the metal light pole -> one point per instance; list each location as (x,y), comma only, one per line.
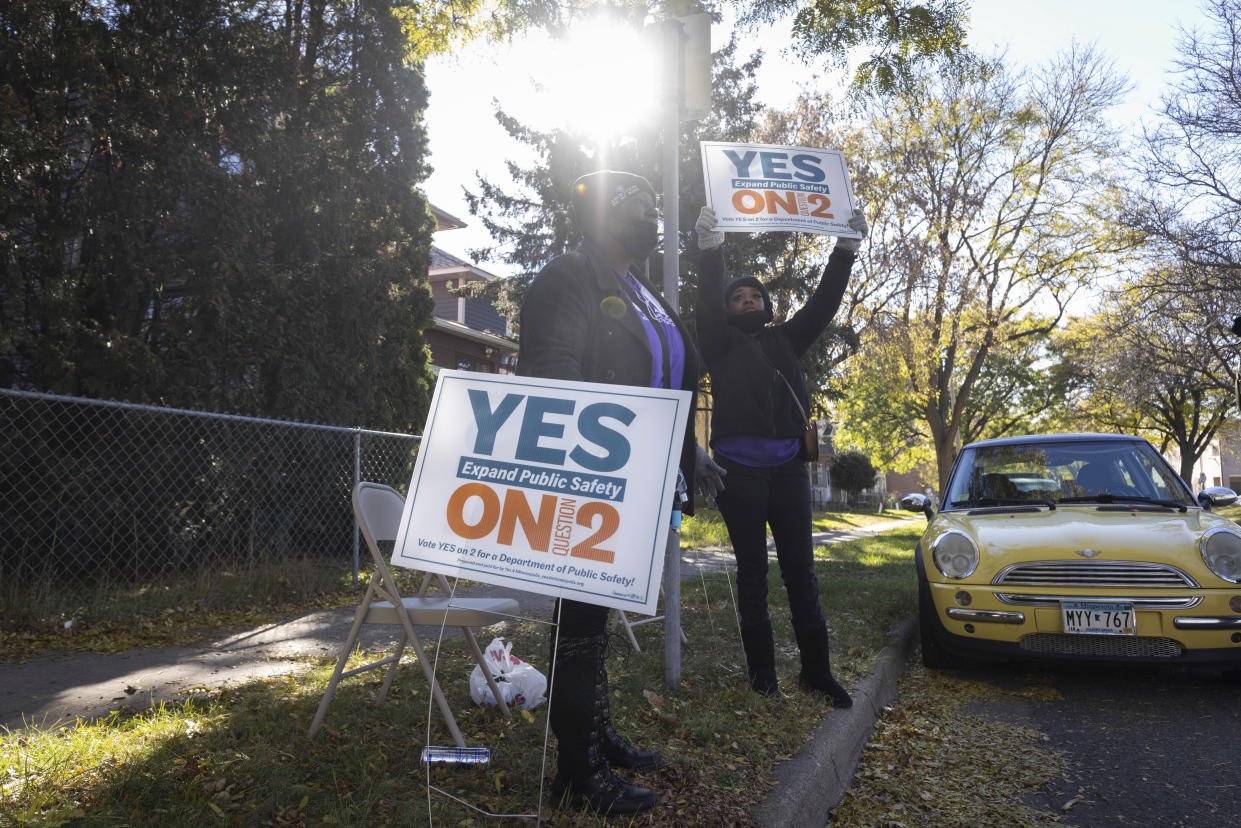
(686,47)
(672,268)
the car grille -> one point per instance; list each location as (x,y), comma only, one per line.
(1122,574)
(1116,646)
(1144,602)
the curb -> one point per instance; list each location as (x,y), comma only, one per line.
(814,781)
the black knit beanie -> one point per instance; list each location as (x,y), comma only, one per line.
(754,283)
(596,195)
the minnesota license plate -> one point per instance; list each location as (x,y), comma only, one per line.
(1098,618)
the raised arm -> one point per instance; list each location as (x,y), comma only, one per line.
(711,314)
(808,324)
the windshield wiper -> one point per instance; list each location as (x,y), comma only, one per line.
(1104,497)
(1005,501)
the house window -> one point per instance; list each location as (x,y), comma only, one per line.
(466,362)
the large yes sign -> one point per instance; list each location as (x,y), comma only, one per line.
(556,487)
(539,421)
(766,187)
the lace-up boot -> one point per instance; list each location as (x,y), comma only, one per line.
(619,753)
(584,779)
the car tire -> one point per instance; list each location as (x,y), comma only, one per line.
(934,656)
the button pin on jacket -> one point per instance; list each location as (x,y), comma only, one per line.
(613,307)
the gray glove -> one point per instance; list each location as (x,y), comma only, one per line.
(708,475)
(708,237)
(856,222)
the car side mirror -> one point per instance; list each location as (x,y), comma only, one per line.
(1216,496)
(916,502)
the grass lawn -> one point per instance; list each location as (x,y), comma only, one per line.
(241,756)
(706,528)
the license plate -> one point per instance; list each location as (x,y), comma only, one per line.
(1098,618)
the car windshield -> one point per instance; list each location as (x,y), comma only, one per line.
(1076,471)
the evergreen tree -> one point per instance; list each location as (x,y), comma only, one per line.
(213,205)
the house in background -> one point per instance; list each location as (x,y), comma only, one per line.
(1219,465)
(903,483)
(468,333)
(822,496)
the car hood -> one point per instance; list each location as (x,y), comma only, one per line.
(1007,537)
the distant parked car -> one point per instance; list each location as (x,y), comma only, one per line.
(1077,546)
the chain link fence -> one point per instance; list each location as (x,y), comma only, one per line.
(96,492)
(837,501)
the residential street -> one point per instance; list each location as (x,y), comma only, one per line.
(1144,746)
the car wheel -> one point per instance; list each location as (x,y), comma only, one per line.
(934,655)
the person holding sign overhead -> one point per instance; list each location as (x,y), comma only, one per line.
(588,316)
(759,426)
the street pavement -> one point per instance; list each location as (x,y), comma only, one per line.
(1143,744)
(57,688)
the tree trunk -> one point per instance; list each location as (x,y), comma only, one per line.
(944,437)
(1188,458)
(945,456)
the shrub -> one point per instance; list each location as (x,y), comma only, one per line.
(852,472)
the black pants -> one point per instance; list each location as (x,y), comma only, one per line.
(578,619)
(577,677)
(754,498)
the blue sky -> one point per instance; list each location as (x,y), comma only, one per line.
(1140,36)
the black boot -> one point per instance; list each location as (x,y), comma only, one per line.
(584,778)
(618,752)
(816,668)
(760,657)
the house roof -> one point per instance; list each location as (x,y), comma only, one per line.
(464,331)
(442,259)
(445,220)
(444,263)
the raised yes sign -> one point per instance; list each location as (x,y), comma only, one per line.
(755,187)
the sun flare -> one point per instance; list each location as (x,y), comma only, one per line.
(602,80)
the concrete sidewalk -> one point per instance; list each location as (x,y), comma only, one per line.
(59,687)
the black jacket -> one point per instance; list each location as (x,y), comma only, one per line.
(748,397)
(577,323)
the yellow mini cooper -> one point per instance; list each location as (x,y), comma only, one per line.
(1077,546)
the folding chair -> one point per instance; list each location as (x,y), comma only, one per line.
(629,625)
(378,511)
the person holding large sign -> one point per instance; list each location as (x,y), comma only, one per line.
(587,316)
(758,428)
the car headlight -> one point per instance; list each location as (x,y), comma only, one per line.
(955,554)
(1221,549)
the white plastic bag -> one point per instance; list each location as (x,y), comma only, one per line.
(521,685)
